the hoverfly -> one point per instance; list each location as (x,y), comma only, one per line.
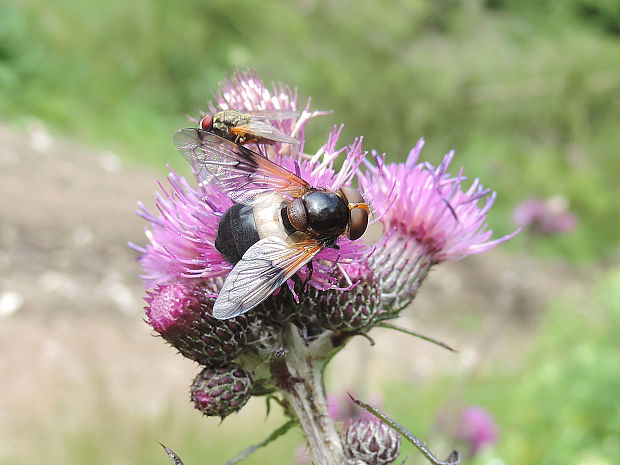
(249,127)
(278,223)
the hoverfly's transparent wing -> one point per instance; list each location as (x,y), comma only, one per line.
(263,269)
(257,129)
(236,170)
(274,115)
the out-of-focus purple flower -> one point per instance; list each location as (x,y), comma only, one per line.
(545,217)
(302,455)
(428,217)
(477,428)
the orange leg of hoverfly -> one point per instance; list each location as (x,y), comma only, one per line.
(362,205)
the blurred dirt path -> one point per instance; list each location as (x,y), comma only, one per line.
(67,213)
(71,329)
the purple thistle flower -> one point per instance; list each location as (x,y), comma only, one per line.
(427,218)
(246,91)
(431,207)
(285,343)
(182,238)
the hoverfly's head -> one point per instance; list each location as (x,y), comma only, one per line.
(207,122)
(359,210)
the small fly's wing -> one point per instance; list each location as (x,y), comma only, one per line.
(263,269)
(237,171)
(261,130)
(274,115)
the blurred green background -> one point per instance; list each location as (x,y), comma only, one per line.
(527,92)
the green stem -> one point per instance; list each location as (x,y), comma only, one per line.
(300,376)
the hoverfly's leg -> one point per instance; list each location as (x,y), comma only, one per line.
(363,205)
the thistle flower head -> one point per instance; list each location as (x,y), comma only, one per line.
(245,91)
(430,206)
(354,304)
(372,442)
(181,313)
(182,236)
(221,391)
(428,217)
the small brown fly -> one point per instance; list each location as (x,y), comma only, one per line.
(249,127)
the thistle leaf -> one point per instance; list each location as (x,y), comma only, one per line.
(415,334)
(176,460)
(272,437)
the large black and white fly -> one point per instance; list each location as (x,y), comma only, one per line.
(278,223)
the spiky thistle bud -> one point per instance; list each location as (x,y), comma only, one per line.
(181,314)
(218,392)
(372,442)
(353,309)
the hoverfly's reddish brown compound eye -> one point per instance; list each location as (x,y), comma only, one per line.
(206,122)
(359,212)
